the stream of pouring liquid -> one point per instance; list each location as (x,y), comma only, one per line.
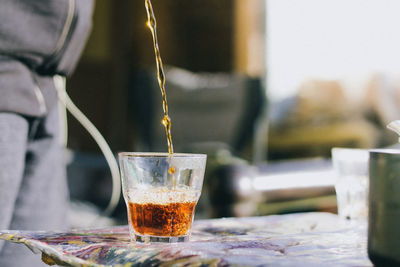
(166,121)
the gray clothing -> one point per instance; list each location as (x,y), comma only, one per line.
(33,188)
(38,39)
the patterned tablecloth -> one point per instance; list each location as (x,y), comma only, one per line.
(303,239)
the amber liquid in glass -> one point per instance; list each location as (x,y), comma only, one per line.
(170,219)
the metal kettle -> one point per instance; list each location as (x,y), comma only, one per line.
(384,205)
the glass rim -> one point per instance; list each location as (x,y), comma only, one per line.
(160,155)
(390,151)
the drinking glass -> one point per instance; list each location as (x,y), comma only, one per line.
(161,191)
(351,185)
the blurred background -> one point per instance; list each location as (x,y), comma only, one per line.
(265,87)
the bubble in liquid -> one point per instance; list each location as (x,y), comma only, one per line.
(171,170)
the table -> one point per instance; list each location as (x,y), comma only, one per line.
(301,239)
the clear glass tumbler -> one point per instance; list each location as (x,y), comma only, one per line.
(161,192)
(351,185)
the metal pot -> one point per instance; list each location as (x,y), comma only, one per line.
(384,207)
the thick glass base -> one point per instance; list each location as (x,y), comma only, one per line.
(159,239)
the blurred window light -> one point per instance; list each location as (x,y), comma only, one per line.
(291,180)
(330,39)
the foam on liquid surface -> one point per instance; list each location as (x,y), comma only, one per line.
(163,195)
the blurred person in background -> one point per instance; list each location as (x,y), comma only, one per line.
(38,39)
